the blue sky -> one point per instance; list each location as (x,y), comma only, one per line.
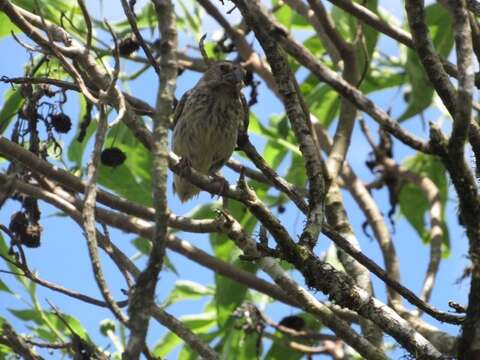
(63,256)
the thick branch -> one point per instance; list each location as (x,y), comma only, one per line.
(274,31)
(299,118)
(143,296)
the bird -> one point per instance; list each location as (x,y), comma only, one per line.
(207,122)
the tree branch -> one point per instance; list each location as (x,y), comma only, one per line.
(430,59)
(88,217)
(307,301)
(10,338)
(142,298)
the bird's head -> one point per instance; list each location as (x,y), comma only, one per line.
(225,73)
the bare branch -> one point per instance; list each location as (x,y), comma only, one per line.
(63,290)
(299,118)
(251,59)
(436,232)
(272,177)
(88,22)
(462,115)
(320,27)
(307,301)
(428,56)
(143,296)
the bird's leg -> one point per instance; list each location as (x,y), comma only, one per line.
(184,166)
(222,184)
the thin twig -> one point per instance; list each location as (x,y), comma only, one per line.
(88,22)
(88,215)
(133,24)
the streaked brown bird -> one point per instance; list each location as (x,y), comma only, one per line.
(207,122)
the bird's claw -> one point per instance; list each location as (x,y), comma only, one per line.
(223,184)
(184,165)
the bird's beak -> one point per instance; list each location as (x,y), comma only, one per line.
(237,76)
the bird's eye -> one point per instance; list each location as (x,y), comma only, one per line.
(224,68)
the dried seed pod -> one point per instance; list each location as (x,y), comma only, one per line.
(128,45)
(293,322)
(18,223)
(27,234)
(61,122)
(31,238)
(112,157)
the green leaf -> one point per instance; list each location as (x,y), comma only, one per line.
(204,211)
(4,249)
(76,326)
(5,351)
(438,20)
(230,294)
(315,46)
(238,345)
(187,290)
(347,25)
(132,179)
(344,23)
(274,153)
(198,323)
(142,244)
(380,79)
(421,96)
(296,173)
(321,99)
(279,350)
(52,10)
(192,16)
(166,345)
(45,333)
(13,100)
(28,315)
(187,354)
(370,34)
(270,133)
(145,17)
(6,26)
(291,19)
(41,318)
(414,204)
(4,287)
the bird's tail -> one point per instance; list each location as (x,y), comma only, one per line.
(184,189)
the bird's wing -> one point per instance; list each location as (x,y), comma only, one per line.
(243,126)
(179,108)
